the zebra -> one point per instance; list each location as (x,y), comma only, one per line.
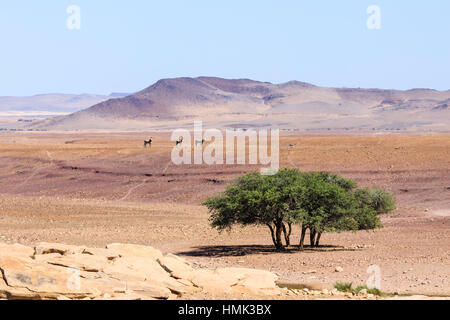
(149,142)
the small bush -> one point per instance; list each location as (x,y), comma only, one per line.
(374,291)
(343,286)
(348,287)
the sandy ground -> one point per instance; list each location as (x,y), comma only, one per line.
(97,188)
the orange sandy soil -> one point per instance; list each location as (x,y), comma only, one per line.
(97,188)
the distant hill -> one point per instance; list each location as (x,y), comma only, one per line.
(119,94)
(47,104)
(170,103)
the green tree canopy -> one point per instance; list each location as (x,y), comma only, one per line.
(328,205)
(270,200)
(318,201)
(378,199)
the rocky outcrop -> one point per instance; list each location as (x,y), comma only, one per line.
(119,271)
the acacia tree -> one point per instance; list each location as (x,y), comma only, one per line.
(332,203)
(270,200)
(319,201)
(326,201)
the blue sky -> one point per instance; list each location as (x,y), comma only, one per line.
(125,46)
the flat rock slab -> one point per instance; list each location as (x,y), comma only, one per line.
(26,278)
(119,271)
(134,250)
(46,248)
(16,250)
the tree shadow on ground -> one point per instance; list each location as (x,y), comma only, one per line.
(244,250)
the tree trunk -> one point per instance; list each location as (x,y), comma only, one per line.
(273,234)
(319,234)
(302,238)
(278,235)
(312,237)
(287,233)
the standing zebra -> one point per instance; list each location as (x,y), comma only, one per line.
(149,142)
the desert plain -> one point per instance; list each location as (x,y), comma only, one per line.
(95,188)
